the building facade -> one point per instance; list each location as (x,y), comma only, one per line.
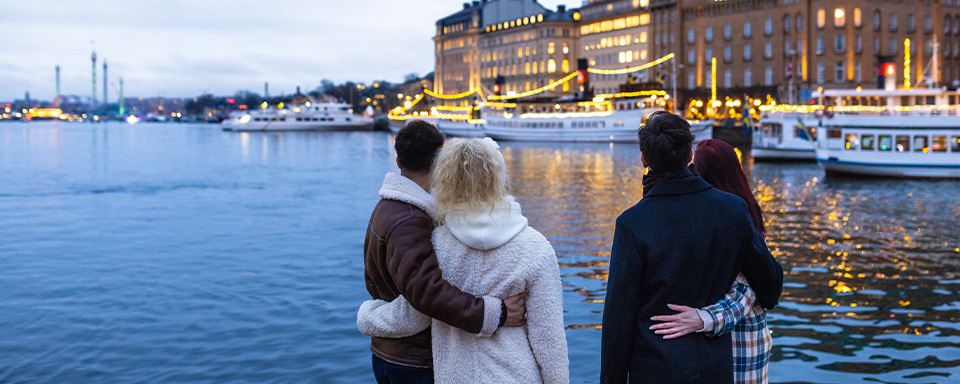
(615,34)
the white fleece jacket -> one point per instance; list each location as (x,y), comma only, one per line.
(491,253)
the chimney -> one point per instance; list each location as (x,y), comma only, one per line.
(561,8)
(466,5)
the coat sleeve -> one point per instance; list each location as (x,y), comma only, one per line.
(762,271)
(621,306)
(390,319)
(545,320)
(727,312)
(414,266)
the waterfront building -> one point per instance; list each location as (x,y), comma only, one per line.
(615,34)
(456,64)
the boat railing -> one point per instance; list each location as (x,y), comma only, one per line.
(919,110)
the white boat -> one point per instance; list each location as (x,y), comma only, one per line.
(785,135)
(592,121)
(900,133)
(309,116)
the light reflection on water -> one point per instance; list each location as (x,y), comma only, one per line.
(179,253)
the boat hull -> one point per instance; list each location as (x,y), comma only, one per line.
(789,154)
(920,171)
(563,135)
(460,129)
(299,126)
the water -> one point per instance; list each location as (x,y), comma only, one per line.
(180,253)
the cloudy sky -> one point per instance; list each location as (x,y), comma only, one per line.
(184,47)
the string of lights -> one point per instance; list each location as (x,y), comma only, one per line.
(449,97)
(631,69)
(532,92)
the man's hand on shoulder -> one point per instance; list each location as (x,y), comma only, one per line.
(516,310)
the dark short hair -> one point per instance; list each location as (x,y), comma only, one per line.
(666,142)
(417,145)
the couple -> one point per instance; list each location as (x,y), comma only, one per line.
(436,312)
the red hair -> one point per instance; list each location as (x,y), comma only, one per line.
(718,164)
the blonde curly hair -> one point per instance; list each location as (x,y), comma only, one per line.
(469,172)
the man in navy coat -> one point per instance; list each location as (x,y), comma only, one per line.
(683,243)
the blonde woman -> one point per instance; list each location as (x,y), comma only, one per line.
(485,247)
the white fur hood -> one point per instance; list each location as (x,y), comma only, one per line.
(489,228)
(400,188)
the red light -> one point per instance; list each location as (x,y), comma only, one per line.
(8,105)
(496,88)
(888,69)
(231,100)
(582,76)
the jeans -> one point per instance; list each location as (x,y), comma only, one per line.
(389,373)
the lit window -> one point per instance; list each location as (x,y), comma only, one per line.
(551,66)
(821,18)
(565,65)
(566,49)
(526,68)
(885,143)
(851,141)
(920,144)
(903,143)
(550,48)
(623,57)
(629,57)
(643,54)
(939,144)
(839,17)
(857,22)
(643,37)
(519,52)
(955,144)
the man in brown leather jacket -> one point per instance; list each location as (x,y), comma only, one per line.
(399,260)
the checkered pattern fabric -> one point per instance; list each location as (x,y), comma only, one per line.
(737,313)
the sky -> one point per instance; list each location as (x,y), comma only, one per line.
(182,48)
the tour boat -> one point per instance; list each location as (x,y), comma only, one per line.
(912,133)
(787,133)
(453,125)
(586,121)
(309,116)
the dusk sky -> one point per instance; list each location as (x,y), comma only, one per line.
(179,48)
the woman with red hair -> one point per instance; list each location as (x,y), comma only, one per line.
(717,163)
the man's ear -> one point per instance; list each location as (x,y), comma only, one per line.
(690,158)
(643,160)
(398,162)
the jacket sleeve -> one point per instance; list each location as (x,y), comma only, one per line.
(545,320)
(413,264)
(727,312)
(621,307)
(763,272)
(390,319)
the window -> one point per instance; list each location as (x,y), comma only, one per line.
(728,31)
(691,80)
(708,35)
(526,68)
(787,51)
(708,54)
(786,24)
(893,21)
(886,143)
(551,66)
(841,72)
(565,65)
(747,81)
(911,23)
(839,18)
(768,76)
(820,73)
(955,144)
(857,18)
(851,141)
(857,44)
(747,54)
(927,24)
(893,46)
(920,144)
(551,48)
(840,43)
(690,36)
(727,79)
(799,22)
(643,37)
(821,18)
(946,25)
(727,54)
(819,45)
(876,45)
(938,144)
(691,57)
(672,37)
(867,142)
(903,143)
(768,50)
(876,20)
(857,72)
(768,27)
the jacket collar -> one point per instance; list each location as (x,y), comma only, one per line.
(489,227)
(400,188)
(679,183)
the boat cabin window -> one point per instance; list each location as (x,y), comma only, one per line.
(931,100)
(905,100)
(938,144)
(903,143)
(953,99)
(835,134)
(886,143)
(955,144)
(867,142)
(920,144)
(852,141)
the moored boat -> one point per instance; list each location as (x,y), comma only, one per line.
(785,134)
(309,116)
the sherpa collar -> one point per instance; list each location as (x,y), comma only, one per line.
(400,188)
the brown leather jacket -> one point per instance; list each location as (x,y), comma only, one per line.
(399,260)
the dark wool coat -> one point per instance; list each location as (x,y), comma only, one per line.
(684,243)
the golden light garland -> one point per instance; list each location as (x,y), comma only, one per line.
(632,69)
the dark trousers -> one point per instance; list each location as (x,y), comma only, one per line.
(390,373)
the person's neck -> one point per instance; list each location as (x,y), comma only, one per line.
(422,179)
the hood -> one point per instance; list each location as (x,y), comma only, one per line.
(400,188)
(488,228)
